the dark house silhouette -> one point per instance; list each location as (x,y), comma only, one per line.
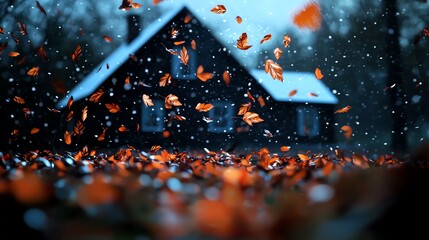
(144,60)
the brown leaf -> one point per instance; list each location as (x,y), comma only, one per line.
(78,128)
(1,30)
(303,157)
(107,39)
(102,136)
(347,130)
(313,94)
(42,53)
(286,40)
(113,108)
(266,38)
(34,71)
(165,80)
(16,40)
(174,33)
(318,73)
(226,77)
(18,100)
(84,113)
(261,101)
(292,93)
(172,100)
(238,19)
(3,47)
(179,43)
(67,138)
(344,109)
(249,95)
(203,76)
(184,57)
(251,117)
(22,28)
(122,128)
(245,107)
(178,117)
(187,19)
(242,42)
(136,5)
(204,107)
(155,148)
(219,9)
(426,32)
(360,161)
(77,53)
(70,102)
(274,69)
(278,53)
(193,44)
(284,148)
(69,116)
(309,17)
(95,97)
(39,6)
(14,54)
(147,101)
(34,131)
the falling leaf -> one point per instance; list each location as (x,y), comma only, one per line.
(426,32)
(311,94)
(2,47)
(95,97)
(16,40)
(102,136)
(360,161)
(165,80)
(67,138)
(1,30)
(249,95)
(274,69)
(238,19)
(278,53)
(78,128)
(292,93)
(127,80)
(226,77)
(303,157)
(266,38)
(147,101)
(14,54)
(284,148)
(207,120)
(34,131)
(34,71)
(18,100)
(70,102)
(22,28)
(245,107)
(347,130)
(113,108)
(42,53)
(107,39)
(261,101)
(267,133)
(174,33)
(203,76)
(187,19)
(122,128)
(204,107)
(344,109)
(309,17)
(219,9)
(155,148)
(184,57)
(69,116)
(318,73)
(77,53)
(128,4)
(84,113)
(172,100)
(136,5)
(171,51)
(40,7)
(193,44)
(178,117)
(242,42)
(286,41)
(179,43)
(251,117)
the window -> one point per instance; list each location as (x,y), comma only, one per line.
(182,71)
(153,117)
(221,114)
(308,121)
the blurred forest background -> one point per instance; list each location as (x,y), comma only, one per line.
(350,48)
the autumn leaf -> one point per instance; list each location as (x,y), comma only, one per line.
(193,44)
(174,33)
(178,117)
(42,53)
(113,108)
(251,117)
(179,43)
(165,80)
(22,28)
(172,100)
(69,116)
(14,54)
(107,39)
(278,53)
(34,131)
(102,136)
(79,128)
(426,32)
(34,71)
(347,130)
(184,57)
(95,97)
(265,38)
(77,53)
(3,47)
(303,157)
(219,9)
(318,73)
(284,148)
(187,19)
(344,109)
(147,101)
(203,76)
(1,30)
(309,17)
(286,41)
(261,101)
(128,4)
(18,100)
(311,94)
(274,69)
(238,19)
(292,93)
(84,113)
(122,128)
(67,138)
(40,7)
(360,161)
(245,107)
(249,95)
(226,77)
(136,5)
(242,42)
(70,102)
(155,148)
(204,107)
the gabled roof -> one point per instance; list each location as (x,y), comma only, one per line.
(304,82)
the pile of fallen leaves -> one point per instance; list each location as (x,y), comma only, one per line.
(161,194)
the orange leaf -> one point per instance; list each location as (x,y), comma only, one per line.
(286,40)
(360,161)
(203,76)
(78,128)
(184,57)
(1,30)
(179,43)
(155,2)
(344,109)
(34,130)
(67,138)
(147,101)
(250,118)
(70,102)
(69,116)
(178,117)
(249,95)
(77,53)
(42,53)
(245,107)
(313,94)
(174,33)
(193,44)
(219,9)
(238,19)
(14,54)
(34,71)
(204,107)
(293,92)
(318,73)
(122,128)
(284,148)
(18,100)
(309,17)
(274,69)
(107,39)
(136,5)
(226,77)
(187,19)
(84,113)
(165,80)
(303,157)
(172,100)
(278,53)
(155,148)
(242,42)
(347,130)
(266,38)
(102,136)
(113,108)
(95,97)
(261,101)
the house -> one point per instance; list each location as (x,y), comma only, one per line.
(135,68)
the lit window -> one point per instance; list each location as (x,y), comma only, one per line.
(308,121)
(222,115)
(182,71)
(153,117)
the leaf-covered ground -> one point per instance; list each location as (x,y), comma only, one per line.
(133,194)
